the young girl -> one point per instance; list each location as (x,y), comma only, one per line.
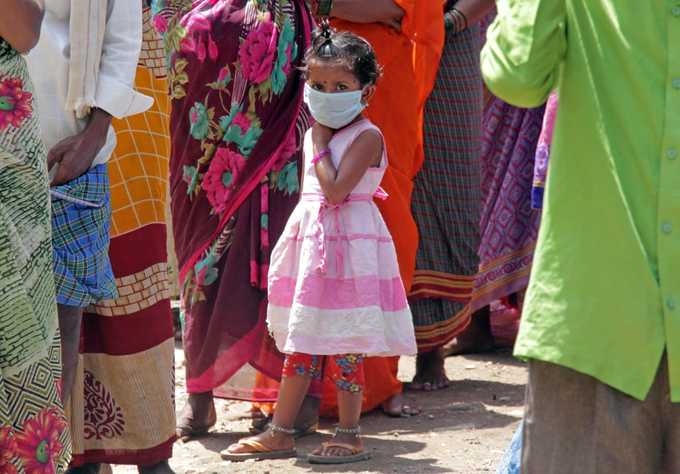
(335,294)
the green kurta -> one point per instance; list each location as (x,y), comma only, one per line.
(604,297)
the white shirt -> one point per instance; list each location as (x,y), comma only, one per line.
(48,65)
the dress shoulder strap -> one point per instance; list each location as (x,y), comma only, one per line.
(356,129)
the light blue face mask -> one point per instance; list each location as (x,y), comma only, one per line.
(334,110)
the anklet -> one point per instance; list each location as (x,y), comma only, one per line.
(277,429)
(351,431)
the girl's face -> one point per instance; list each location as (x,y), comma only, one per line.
(331,78)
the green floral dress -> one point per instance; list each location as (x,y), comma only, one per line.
(33,430)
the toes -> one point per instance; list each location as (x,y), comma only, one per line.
(427,386)
(236,448)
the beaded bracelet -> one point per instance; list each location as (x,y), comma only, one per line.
(321,155)
(455,20)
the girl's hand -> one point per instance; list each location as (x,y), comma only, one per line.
(321,137)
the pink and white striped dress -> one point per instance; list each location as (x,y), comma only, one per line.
(334,283)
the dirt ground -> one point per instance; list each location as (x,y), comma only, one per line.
(464,429)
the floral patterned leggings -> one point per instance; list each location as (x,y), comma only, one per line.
(347,371)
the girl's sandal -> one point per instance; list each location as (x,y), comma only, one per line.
(356,454)
(260,452)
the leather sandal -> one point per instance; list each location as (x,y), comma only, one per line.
(259,452)
(356,454)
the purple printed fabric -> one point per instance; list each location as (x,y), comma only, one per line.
(543,152)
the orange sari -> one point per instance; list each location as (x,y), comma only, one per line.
(410,60)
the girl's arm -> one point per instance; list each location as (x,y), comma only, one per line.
(366,151)
(20,24)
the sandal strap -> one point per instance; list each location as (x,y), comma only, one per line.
(256,445)
(333,444)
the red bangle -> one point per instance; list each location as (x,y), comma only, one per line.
(321,155)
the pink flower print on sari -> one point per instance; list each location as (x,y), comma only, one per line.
(286,152)
(224,75)
(242,122)
(258,52)
(15,103)
(223,172)
(38,444)
(8,449)
(160,24)
(212,49)
(198,39)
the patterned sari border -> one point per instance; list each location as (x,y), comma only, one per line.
(142,457)
(432,284)
(524,251)
(434,336)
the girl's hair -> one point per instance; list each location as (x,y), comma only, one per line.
(347,49)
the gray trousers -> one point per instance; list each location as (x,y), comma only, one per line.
(575,424)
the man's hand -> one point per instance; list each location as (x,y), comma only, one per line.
(74,155)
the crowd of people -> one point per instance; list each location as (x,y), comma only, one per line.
(348,182)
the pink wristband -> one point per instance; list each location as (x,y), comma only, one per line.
(321,155)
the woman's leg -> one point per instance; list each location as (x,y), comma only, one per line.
(197,416)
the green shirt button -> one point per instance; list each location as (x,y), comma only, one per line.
(670,304)
(672,153)
(666,227)
(675,11)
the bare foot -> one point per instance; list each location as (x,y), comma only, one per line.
(161,468)
(476,339)
(197,416)
(430,372)
(395,407)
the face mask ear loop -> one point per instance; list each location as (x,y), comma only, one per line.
(364,100)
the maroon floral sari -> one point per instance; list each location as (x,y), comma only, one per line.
(236,126)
